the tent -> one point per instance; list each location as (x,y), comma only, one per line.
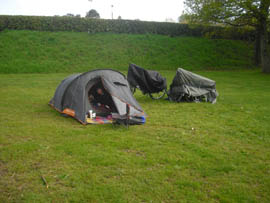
(116,104)
(188,86)
(149,81)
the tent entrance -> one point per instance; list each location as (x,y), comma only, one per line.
(99,100)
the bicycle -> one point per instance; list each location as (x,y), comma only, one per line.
(148,81)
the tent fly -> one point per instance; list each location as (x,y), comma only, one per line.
(98,97)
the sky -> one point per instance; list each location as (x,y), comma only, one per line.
(149,10)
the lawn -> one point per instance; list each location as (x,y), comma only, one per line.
(186,152)
(24,51)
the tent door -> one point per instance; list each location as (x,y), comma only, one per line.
(98,99)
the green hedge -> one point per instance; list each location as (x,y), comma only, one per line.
(75,24)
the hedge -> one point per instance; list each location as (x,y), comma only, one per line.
(57,23)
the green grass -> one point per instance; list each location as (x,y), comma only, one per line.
(49,52)
(185,152)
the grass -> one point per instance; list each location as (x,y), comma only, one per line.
(186,152)
(49,52)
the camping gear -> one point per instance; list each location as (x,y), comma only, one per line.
(72,98)
(148,81)
(191,87)
(100,120)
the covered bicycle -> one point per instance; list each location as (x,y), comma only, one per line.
(191,87)
(148,81)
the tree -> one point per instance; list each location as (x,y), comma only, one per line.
(254,13)
(72,15)
(92,14)
(169,20)
(183,18)
(69,15)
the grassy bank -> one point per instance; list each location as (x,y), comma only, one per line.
(188,152)
(52,52)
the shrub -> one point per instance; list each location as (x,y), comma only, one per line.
(57,23)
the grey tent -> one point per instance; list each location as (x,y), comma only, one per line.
(72,98)
(188,86)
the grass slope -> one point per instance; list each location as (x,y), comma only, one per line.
(49,52)
(185,152)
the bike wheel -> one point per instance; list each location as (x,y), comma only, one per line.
(158,95)
(132,89)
